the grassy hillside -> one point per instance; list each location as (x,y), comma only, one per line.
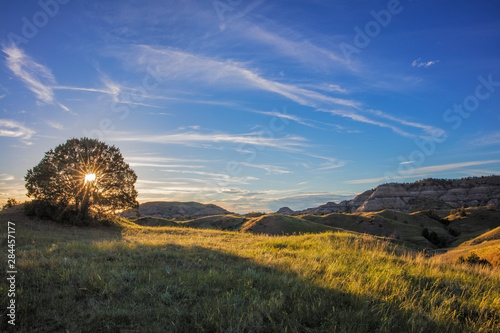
(282,225)
(219,222)
(407,227)
(149,221)
(131,278)
(486,246)
(477,221)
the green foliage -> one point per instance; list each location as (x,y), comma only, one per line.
(431,214)
(434,238)
(60,180)
(462,212)
(255,214)
(11,202)
(66,215)
(473,259)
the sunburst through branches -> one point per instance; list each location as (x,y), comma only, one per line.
(84,173)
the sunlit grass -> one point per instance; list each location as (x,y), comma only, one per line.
(186,280)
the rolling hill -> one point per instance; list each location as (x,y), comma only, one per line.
(283,225)
(173,209)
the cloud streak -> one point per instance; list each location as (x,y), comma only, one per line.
(421,172)
(13,129)
(418,63)
(303,51)
(270,169)
(171,64)
(193,138)
(35,76)
(363,119)
(490,139)
(428,130)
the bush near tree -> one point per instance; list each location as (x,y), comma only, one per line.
(11,202)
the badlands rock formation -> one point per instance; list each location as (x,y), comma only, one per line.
(424,194)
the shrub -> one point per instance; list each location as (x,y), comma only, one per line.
(11,202)
(396,235)
(425,233)
(254,214)
(473,259)
(58,213)
(491,207)
(434,238)
(431,214)
(453,232)
(460,211)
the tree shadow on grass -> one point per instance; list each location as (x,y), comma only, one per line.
(34,232)
(132,287)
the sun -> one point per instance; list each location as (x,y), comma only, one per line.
(90,177)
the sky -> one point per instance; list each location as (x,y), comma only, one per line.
(254,104)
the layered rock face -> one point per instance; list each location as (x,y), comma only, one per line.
(425,194)
(166,209)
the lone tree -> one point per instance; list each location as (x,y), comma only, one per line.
(83,173)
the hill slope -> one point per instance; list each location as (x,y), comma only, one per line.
(282,225)
(172,209)
(146,279)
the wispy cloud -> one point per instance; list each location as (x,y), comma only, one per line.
(161,159)
(56,125)
(421,172)
(331,163)
(193,138)
(490,139)
(222,179)
(301,50)
(428,129)
(5,177)
(173,64)
(451,166)
(363,119)
(110,88)
(426,64)
(285,116)
(270,169)
(117,92)
(13,129)
(65,108)
(160,165)
(37,78)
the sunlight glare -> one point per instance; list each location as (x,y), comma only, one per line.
(90,177)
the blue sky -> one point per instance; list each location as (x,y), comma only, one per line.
(254,104)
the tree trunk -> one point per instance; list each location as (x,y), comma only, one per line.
(84,205)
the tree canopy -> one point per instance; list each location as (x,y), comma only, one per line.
(83,173)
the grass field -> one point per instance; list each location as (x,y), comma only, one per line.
(130,278)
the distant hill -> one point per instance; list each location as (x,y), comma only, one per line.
(173,209)
(220,222)
(283,225)
(421,195)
